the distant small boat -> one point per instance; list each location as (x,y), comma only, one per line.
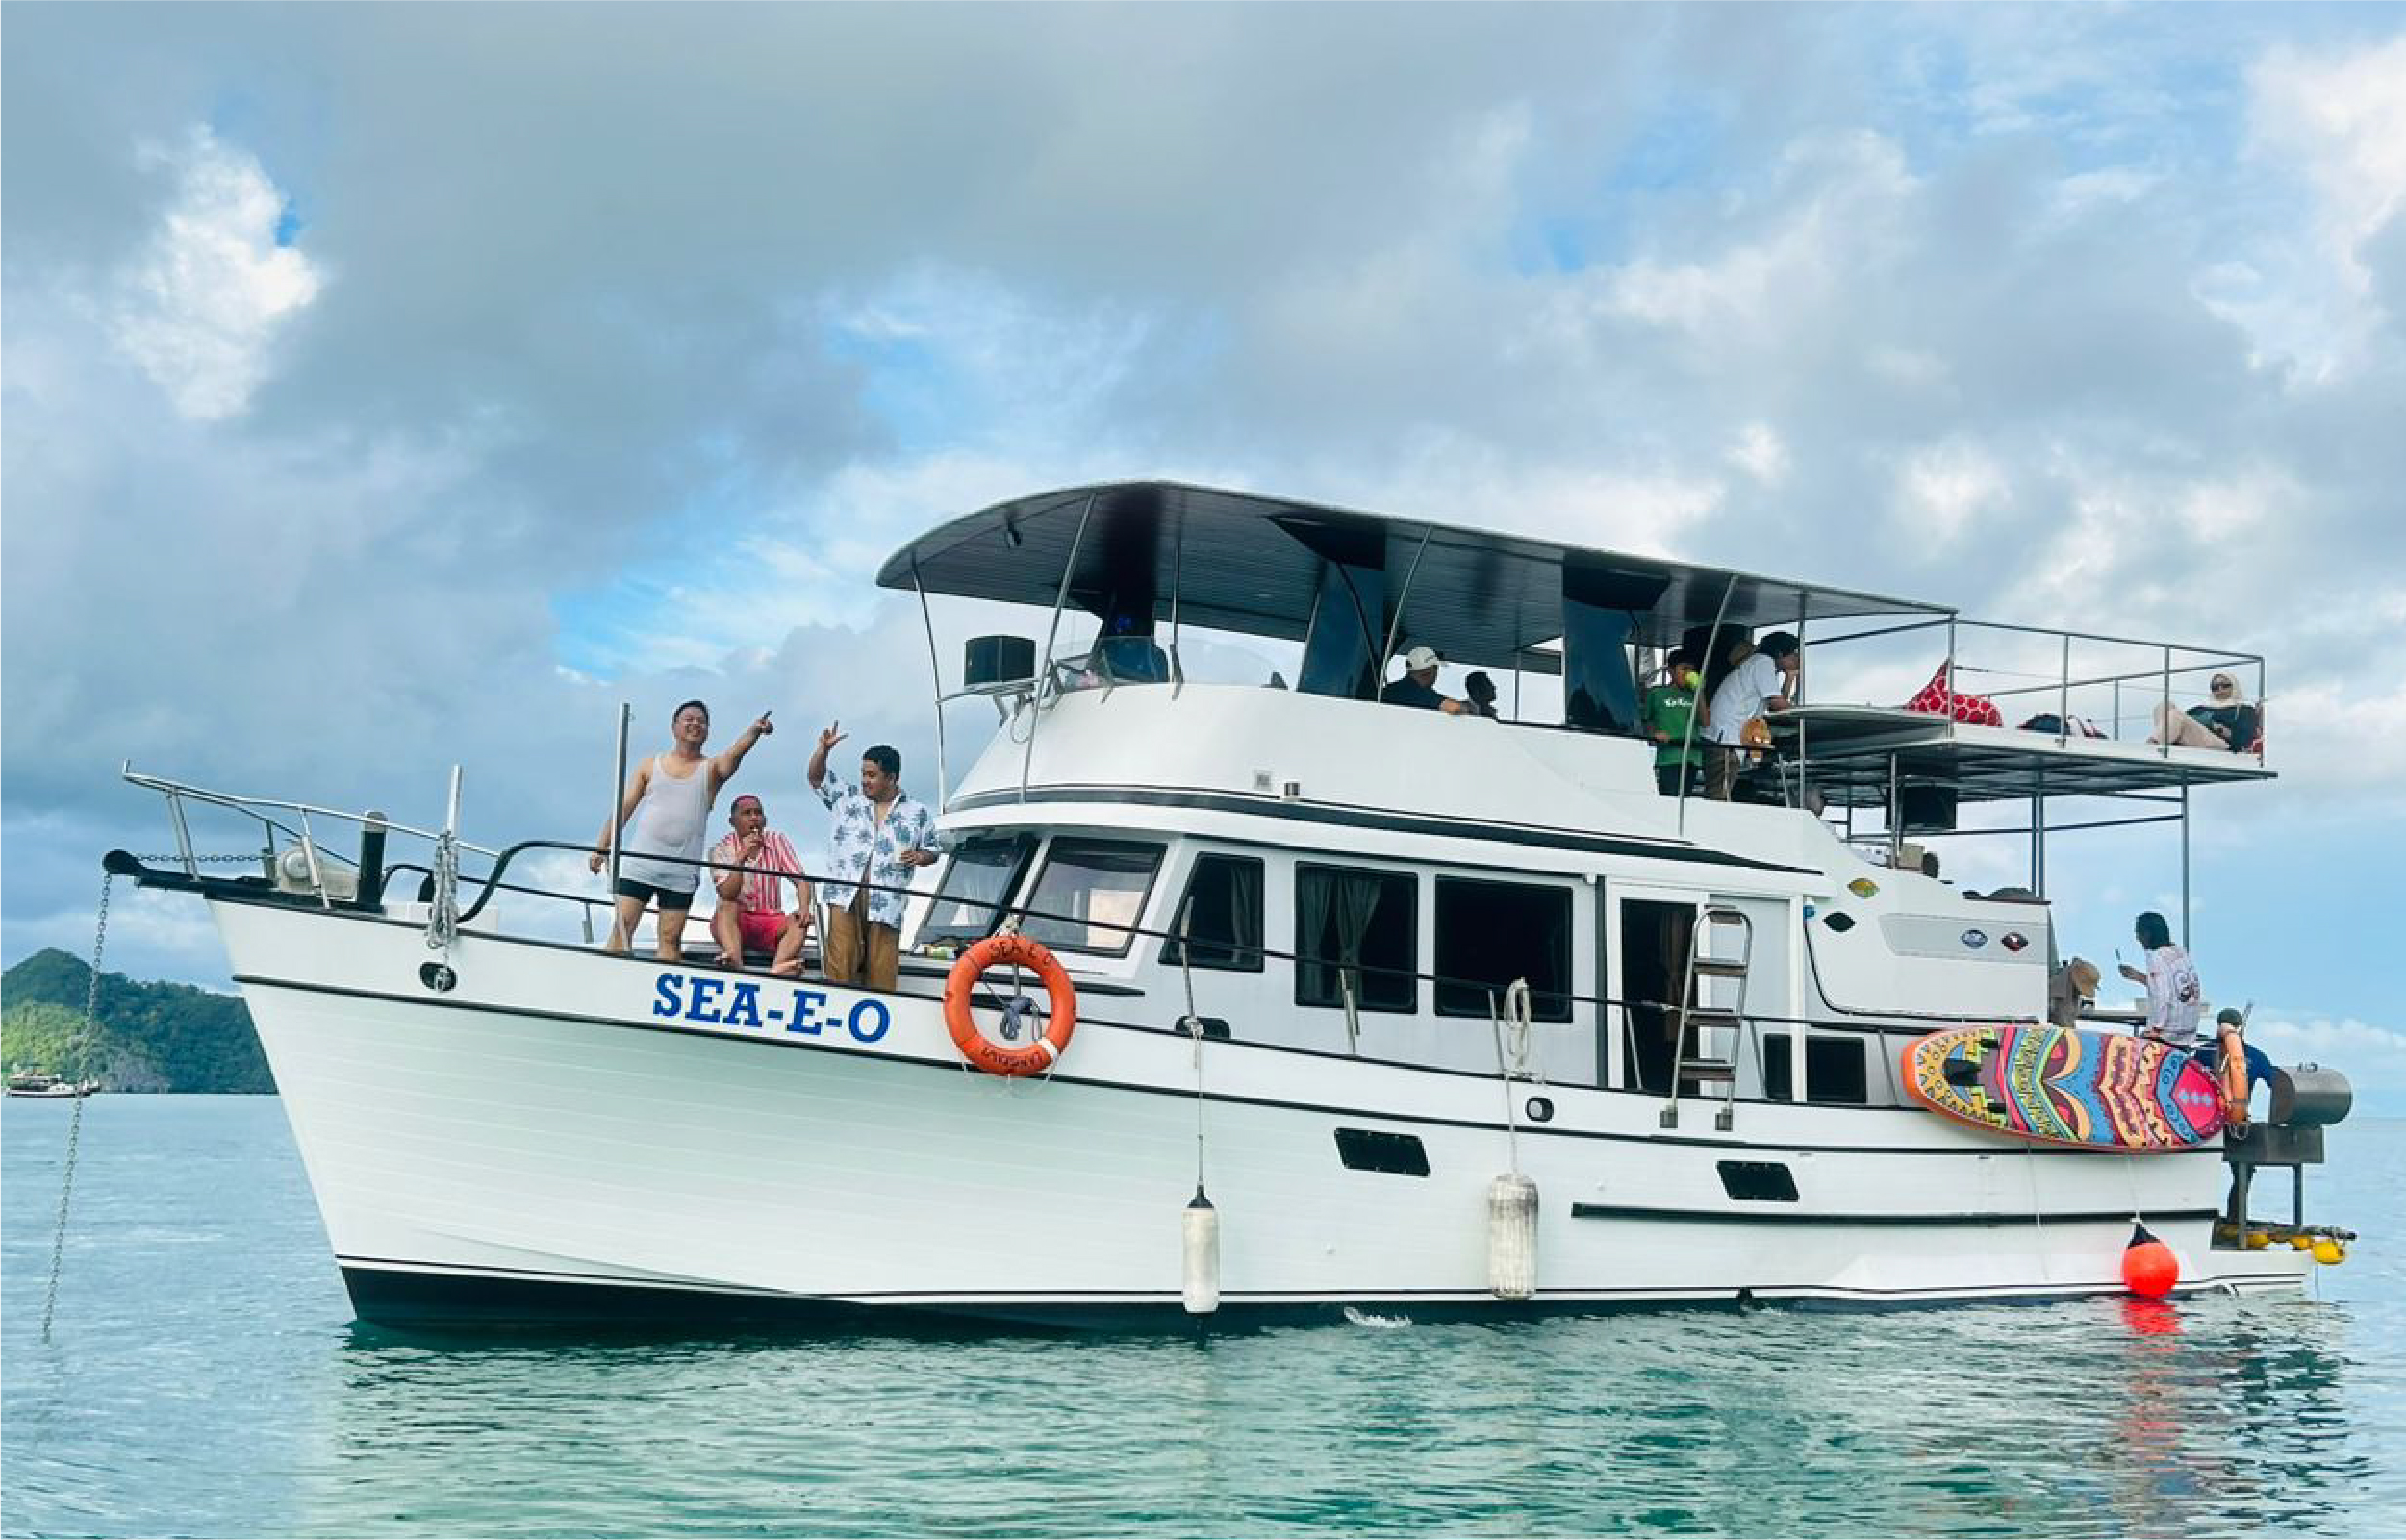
(33,1083)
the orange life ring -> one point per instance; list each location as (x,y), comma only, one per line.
(2233,1078)
(983,1050)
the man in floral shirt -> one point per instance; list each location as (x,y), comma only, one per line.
(880,836)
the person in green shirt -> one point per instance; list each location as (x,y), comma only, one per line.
(1664,713)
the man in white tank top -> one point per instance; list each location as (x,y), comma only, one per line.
(669,801)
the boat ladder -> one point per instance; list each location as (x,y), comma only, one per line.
(1711,1037)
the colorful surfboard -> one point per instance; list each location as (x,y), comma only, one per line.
(2104,1091)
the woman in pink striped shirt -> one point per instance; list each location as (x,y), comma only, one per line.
(751,914)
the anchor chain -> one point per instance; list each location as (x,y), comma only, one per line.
(442,927)
(75,1123)
(85,1038)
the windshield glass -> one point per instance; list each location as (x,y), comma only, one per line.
(983,872)
(1088,893)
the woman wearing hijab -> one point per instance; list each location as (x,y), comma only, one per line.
(2223,721)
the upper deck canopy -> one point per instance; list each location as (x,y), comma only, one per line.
(1252,565)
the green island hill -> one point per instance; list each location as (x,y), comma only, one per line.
(146,1037)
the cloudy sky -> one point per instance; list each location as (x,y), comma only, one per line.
(393,386)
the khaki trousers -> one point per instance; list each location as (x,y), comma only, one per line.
(1722,764)
(852,939)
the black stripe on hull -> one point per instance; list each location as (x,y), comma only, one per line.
(480,1304)
(1790,1216)
(414,1300)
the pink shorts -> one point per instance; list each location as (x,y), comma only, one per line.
(761,928)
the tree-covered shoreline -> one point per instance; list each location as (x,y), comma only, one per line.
(146,1037)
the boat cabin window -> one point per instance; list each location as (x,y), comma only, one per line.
(1834,1071)
(1491,933)
(983,871)
(1779,1067)
(1220,914)
(1089,892)
(1356,935)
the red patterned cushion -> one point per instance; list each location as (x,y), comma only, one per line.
(1937,699)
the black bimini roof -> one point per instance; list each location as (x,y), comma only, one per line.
(1249,564)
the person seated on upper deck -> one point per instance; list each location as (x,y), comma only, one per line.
(1765,679)
(1123,654)
(1481,691)
(1419,685)
(749,916)
(2225,721)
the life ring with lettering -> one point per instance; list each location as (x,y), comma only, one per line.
(984,1051)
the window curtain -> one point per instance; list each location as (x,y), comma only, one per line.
(1355,902)
(1311,913)
(1244,930)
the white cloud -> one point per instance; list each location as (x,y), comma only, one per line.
(1943,490)
(1455,480)
(2372,1057)
(1910,368)
(2241,502)
(946,343)
(1843,191)
(2343,120)
(2337,742)
(200,308)
(2338,125)
(2089,191)
(149,932)
(1760,453)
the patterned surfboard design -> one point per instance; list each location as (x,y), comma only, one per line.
(2105,1090)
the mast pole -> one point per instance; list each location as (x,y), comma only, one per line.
(618,822)
(1053,633)
(935,681)
(1395,622)
(1687,743)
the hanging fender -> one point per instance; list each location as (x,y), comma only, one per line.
(983,1050)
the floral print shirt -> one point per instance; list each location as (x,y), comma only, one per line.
(859,844)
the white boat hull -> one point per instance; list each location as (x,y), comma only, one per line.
(561,1134)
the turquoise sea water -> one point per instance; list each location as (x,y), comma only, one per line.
(204,1378)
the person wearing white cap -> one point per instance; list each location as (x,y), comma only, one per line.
(1418,686)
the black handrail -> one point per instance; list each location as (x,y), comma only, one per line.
(505,887)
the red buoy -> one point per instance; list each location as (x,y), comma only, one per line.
(2149,1269)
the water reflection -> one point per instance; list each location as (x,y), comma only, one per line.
(2109,1417)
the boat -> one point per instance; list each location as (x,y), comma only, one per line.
(35,1083)
(1347,1007)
